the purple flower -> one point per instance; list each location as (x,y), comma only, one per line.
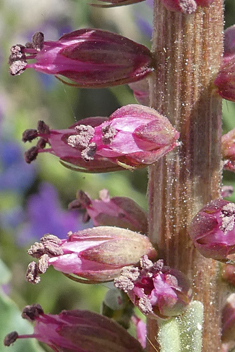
(96,254)
(228,320)
(134,136)
(225,78)
(45,215)
(141,91)
(76,331)
(117,211)
(228,150)
(91,58)
(212,230)
(157,290)
(15,175)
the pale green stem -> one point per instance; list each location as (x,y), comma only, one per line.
(187,51)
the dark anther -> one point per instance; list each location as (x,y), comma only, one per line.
(41,143)
(31,154)
(29,135)
(38,40)
(43,128)
(10,338)
(32,312)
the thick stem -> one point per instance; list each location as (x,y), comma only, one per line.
(187,51)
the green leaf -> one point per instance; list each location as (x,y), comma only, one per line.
(5,274)
(184,333)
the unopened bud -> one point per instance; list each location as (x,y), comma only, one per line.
(96,254)
(212,230)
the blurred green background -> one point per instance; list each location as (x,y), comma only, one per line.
(34,198)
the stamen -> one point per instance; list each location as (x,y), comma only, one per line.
(36,250)
(29,135)
(43,128)
(228,217)
(145,305)
(41,143)
(10,338)
(38,40)
(32,312)
(17,67)
(31,154)
(32,273)
(89,152)
(108,134)
(43,263)
(82,138)
(17,53)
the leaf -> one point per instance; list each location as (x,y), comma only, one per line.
(184,333)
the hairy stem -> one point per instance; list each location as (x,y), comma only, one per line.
(187,51)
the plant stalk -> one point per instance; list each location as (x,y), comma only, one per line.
(187,53)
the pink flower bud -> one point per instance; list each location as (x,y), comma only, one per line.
(225,79)
(76,331)
(227,191)
(228,319)
(141,91)
(229,41)
(212,230)
(91,58)
(228,150)
(157,290)
(185,6)
(228,274)
(141,330)
(97,254)
(117,211)
(134,136)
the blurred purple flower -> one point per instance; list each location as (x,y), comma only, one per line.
(15,175)
(46,216)
(11,218)
(144,25)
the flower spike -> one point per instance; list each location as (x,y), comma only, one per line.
(91,58)
(97,254)
(134,136)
